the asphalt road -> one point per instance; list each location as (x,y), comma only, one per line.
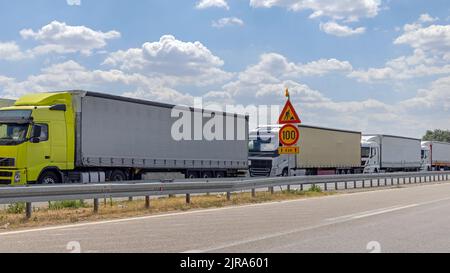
(407,219)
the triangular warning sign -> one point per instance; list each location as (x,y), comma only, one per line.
(289,115)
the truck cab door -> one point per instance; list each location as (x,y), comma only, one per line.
(38,151)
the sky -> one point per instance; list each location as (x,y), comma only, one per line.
(376,66)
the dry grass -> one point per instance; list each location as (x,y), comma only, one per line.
(122,209)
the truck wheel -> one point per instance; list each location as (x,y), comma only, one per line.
(48,178)
(220,174)
(192,175)
(117,175)
(285,173)
(207,175)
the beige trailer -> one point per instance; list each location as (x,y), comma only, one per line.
(325,148)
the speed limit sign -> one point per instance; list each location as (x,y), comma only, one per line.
(289,135)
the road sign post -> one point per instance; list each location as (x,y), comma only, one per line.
(289,133)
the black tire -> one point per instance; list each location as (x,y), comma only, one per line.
(117,175)
(220,174)
(49,178)
(206,175)
(285,173)
(192,175)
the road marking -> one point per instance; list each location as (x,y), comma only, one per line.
(328,222)
(203,211)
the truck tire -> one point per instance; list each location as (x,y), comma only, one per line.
(285,173)
(117,175)
(192,175)
(49,177)
(220,174)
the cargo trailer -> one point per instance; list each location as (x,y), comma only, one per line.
(385,153)
(435,155)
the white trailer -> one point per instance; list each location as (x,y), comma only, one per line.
(384,153)
(435,155)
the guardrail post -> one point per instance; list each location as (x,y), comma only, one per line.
(325,186)
(363,183)
(378,182)
(271,190)
(354,184)
(96,205)
(188,198)
(130,199)
(346,185)
(301,187)
(228,196)
(371,183)
(336,186)
(288,188)
(29,210)
(253,193)
(147,202)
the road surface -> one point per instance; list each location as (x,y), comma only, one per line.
(406,219)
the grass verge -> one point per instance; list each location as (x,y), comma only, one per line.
(69,212)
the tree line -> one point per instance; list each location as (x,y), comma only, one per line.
(437,135)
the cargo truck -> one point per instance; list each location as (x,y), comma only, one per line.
(79,136)
(435,155)
(385,153)
(322,151)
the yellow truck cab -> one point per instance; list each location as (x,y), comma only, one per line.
(36,139)
(88,137)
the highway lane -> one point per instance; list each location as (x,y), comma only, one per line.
(407,219)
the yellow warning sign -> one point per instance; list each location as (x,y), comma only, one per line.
(292,150)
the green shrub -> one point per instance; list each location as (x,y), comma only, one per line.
(16,208)
(315,188)
(74,204)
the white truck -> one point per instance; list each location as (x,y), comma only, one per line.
(322,151)
(435,155)
(384,153)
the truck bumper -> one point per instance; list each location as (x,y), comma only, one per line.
(13,177)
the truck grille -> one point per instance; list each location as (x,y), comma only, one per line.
(264,164)
(5,182)
(7,162)
(261,167)
(6,174)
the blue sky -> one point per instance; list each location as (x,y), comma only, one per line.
(371,65)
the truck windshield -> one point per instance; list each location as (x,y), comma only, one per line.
(13,134)
(261,144)
(365,152)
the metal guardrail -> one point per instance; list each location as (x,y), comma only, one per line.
(30,194)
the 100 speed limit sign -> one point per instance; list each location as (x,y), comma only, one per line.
(289,135)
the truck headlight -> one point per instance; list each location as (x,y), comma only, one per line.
(17,177)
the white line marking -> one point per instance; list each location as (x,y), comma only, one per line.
(328,222)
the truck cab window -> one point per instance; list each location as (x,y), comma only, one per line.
(44,131)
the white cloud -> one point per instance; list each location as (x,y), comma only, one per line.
(74,2)
(227,21)
(432,38)
(431,45)
(188,62)
(350,10)
(426,18)
(58,37)
(203,4)
(10,51)
(272,67)
(336,29)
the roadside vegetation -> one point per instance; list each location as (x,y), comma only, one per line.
(69,212)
